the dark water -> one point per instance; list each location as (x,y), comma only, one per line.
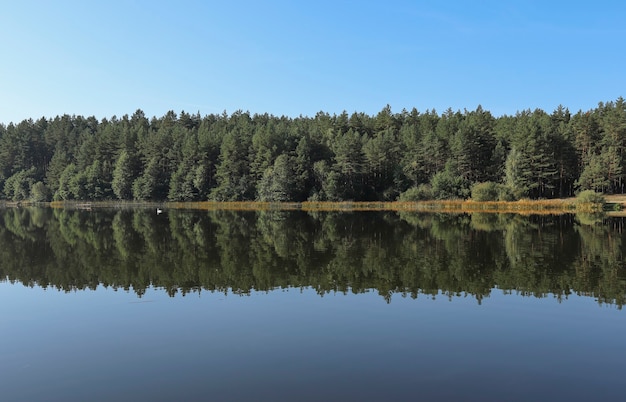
(130,305)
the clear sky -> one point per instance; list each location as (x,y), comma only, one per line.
(105,58)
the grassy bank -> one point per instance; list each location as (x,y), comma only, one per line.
(554,206)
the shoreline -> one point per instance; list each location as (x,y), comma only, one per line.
(552,206)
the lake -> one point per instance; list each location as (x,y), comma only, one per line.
(122,304)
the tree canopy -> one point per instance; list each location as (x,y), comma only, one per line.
(358,157)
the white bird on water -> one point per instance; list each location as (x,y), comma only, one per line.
(159,211)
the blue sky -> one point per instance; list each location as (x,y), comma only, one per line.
(300,57)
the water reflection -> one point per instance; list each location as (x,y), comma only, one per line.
(409,254)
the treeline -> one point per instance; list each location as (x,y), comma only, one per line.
(407,254)
(409,155)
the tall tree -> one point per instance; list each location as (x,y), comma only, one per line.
(473,145)
(535,174)
(234,177)
(561,138)
(382,161)
(280,182)
(123,176)
(613,125)
(348,165)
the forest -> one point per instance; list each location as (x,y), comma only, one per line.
(406,156)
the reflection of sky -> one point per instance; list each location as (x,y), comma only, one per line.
(107,345)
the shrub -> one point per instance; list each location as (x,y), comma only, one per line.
(448,186)
(39,192)
(487,191)
(506,193)
(590,197)
(490,191)
(422,192)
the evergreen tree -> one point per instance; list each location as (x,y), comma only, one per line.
(123,176)
(63,192)
(58,163)
(587,136)
(561,138)
(593,176)
(448,184)
(339,157)
(39,192)
(409,137)
(613,126)
(234,178)
(18,186)
(280,182)
(536,173)
(151,184)
(472,146)
(349,161)
(382,161)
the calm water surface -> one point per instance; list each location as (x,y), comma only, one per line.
(128,305)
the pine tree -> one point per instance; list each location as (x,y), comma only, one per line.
(234,179)
(123,176)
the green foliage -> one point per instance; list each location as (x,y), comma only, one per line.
(531,167)
(506,193)
(122,184)
(150,185)
(331,157)
(490,191)
(382,161)
(486,191)
(23,147)
(234,177)
(58,163)
(348,169)
(18,186)
(64,192)
(280,183)
(181,185)
(89,184)
(514,174)
(39,192)
(602,173)
(423,192)
(473,145)
(201,180)
(590,197)
(447,184)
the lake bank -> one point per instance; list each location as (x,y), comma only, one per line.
(614,203)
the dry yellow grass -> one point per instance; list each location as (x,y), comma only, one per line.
(525,206)
(616,199)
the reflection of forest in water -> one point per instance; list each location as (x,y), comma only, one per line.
(401,253)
